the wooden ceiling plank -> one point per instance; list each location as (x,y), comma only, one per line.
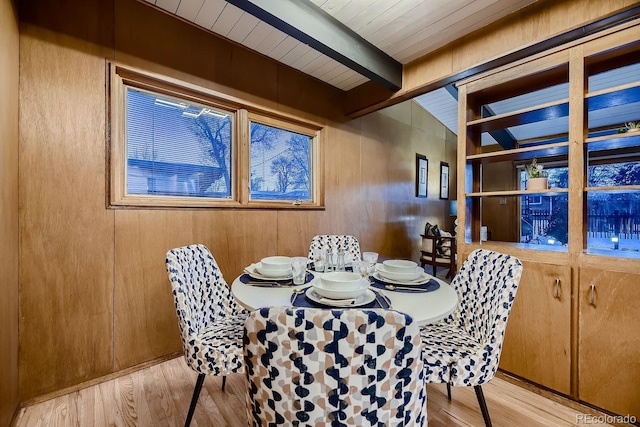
(398,11)
(327,77)
(227,19)
(243,27)
(316,64)
(209,13)
(283,48)
(464,21)
(189,9)
(294,54)
(259,34)
(373,11)
(304,60)
(170,6)
(322,70)
(353,81)
(271,41)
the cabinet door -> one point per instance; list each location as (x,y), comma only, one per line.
(609,340)
(537,343)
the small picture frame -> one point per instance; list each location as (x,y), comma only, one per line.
(444,180)
(422,174)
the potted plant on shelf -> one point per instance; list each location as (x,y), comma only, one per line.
(629,127)
(536,176)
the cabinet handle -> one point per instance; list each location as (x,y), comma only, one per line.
(557,291)
(592,297)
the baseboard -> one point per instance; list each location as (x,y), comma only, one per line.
(99,380)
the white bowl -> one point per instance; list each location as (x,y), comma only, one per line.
(275,263)
(342,280)
(273,273)
(412,275)
(399,266)
(330,290)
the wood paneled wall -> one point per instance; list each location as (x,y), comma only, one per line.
(95,296)
(9,71)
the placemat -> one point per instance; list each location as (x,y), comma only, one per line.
(430,286)
(301,300)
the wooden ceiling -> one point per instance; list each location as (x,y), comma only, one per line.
(403,29)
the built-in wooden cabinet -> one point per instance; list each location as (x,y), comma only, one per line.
(609,340)
(537,344)
(574,324)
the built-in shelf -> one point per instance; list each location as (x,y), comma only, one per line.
(624,188)
(538,113)
(612,97)
(616,138)
(525,153)
(515,192)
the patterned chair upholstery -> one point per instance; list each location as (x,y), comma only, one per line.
(464,349)
(210,320)
(311,367)
(335,242)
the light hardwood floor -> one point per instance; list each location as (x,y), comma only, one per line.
(159,396)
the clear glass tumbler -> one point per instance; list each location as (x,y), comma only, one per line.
(371,258)
(299,269)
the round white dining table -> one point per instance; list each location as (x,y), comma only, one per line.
(423,307)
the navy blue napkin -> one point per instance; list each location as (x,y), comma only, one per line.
(430,286)
(246,278)
(302,301)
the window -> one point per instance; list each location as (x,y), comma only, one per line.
(280,163)
(175,148)
(178,146)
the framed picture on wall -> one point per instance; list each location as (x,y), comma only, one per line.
(422,172)
(444,180)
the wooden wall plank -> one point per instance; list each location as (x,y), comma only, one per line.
(66,234)
(9,238)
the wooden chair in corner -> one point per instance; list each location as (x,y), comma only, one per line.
(439,251)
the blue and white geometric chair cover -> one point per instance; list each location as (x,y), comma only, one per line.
(210,320)
(464,349)
(335,242)
(312,367)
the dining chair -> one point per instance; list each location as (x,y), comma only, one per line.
(439,251)
(335,242)
(210,320)
(336,367)
(464,349)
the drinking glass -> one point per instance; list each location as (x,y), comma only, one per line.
(371,258)
(299,269)
(362,268)
(319,258)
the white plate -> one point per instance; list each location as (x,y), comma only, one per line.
(392,275)
(363,299)
(329,290)
(251,271)
(424,278)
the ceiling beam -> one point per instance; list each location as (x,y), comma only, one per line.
(502,136)
(312,26)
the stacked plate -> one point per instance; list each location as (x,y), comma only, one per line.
(273,267)
(400,271)
(341,289)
